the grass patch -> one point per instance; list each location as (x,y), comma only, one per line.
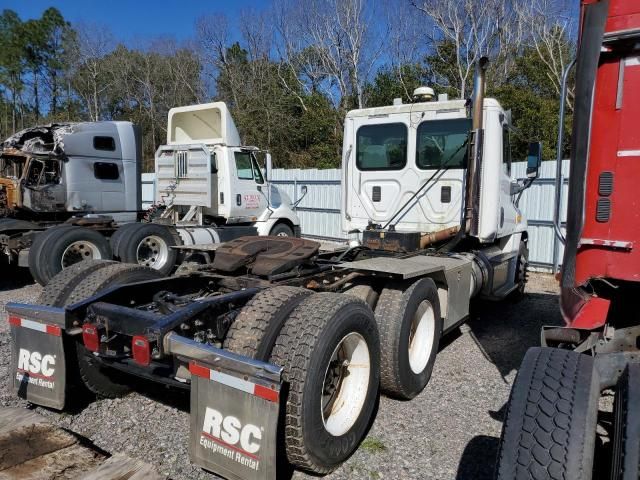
(373,445)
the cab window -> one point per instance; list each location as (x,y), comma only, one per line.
(442,143)
(381,147)
(257,173)
(247,167)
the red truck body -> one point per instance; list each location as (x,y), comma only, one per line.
(603,220)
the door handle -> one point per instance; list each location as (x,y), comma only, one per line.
(238,199)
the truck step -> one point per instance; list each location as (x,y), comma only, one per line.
(31,447)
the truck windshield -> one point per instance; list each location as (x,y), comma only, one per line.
(441,143)
(381,147)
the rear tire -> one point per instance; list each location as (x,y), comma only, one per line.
(62,246)
(625,464)
(116,238)
(329,349)
(60,287)
(149,245)
(255,330)
(101,381)
(366,293)
(410,328)
(550,428)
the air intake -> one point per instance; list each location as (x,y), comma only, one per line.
(182,160)
(605,184)
(603,210)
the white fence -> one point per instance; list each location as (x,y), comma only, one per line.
(319,211)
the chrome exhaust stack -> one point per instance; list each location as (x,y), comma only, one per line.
(474,168)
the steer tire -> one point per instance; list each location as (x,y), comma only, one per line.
(103,382)
(395,312)
(550,427)
(164,238)
(281,230)
(255,330)
(305,347)
(625,464)
(521,273)
(60,287)
(47,250)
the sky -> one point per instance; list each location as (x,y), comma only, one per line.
(130,20)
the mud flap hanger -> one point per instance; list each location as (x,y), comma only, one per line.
(235,404)
(38,367)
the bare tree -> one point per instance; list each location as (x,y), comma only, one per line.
(332,39)
(407,41)
(550,28)
(462,31)
(213,38)
(90,79)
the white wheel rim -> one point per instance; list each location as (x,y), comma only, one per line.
(423,330)
(79,251)
(282,234)
(152,251)
(345,385)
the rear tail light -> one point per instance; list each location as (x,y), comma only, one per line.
(91,337)
(141,350)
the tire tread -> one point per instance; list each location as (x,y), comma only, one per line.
(255,319)
(550,421)
(293,351)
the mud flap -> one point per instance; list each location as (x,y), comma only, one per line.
(37,359)
(234,421)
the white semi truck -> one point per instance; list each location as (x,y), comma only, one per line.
(285,347)
(72,192)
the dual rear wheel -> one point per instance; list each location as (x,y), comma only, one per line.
(336,353)
(60,247)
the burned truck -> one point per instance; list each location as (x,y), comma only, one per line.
(37,183)
(75,188)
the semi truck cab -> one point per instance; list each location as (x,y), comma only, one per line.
(391,151)
(56,171)
(206,176)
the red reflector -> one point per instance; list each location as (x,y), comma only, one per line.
(141,350)
(199,370)
(15,321)
(266,393)
(54,330)
(90,337)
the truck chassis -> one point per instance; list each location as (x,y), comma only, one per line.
(278,343)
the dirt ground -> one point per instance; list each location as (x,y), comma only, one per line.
(450,431)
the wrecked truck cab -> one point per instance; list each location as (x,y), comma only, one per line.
(35,176)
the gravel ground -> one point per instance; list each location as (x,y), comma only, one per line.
(450,431)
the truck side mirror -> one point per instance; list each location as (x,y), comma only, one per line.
(534,159)
(303,191)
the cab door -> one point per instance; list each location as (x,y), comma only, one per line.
(248,200)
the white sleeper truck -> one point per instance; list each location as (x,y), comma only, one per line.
(86,176)
(284,346)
